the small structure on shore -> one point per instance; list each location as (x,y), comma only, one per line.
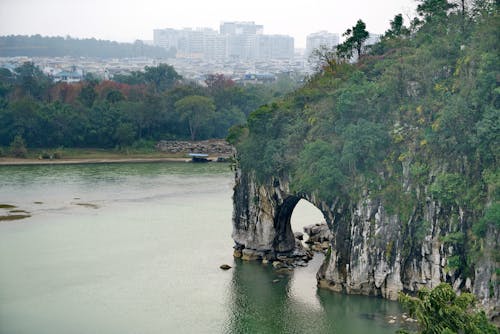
(199,157)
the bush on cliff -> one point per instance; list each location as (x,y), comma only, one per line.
(442,311)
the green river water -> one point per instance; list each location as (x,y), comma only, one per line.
(136,248)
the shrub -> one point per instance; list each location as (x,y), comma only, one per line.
(18,147)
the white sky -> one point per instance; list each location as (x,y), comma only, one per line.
(127,20)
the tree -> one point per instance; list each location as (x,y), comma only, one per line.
(441,311)
(124,134)
(31,79)
(355,40)
(114,96)
(323,57)
(216,82)
(397,28)
(434,9)
(161,77)
(197,110)
(88,95)
(134,78)
(18,147)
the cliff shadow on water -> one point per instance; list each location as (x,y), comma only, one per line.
(265,301)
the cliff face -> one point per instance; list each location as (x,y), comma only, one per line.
(372,251)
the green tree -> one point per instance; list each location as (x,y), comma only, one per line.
(114,96)
(161,77)
(197,111)
(88,95)
(323,57)
(124,134)
(356,37)
(31,80)
(441,311)
(134,78)
(397,28)
(434,9)
(18,147)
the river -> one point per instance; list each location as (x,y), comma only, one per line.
(136,248)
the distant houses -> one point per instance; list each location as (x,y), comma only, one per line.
(75,75)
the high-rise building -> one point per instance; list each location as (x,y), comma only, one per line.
(321,38)
(275,47)
(242,39)
(241,28)
(236,40)
(166,38)
(214,45)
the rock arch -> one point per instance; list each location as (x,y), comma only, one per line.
(262,217)
(372,251)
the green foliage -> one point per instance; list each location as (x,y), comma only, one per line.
(355,37)
(434,9)
(18,147)
(448,188)
(318,171)
(440,310)
(125,134)
(236,134)
(141,106)
(161,77)
(364,145)
(491,218)
(197,110)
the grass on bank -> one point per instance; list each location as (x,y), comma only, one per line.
(93,153)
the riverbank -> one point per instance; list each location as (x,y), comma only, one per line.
(16,161)
(174,151)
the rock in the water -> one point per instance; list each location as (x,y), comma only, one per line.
(237,253)
(318,233)
(299,235)
(250,255)
(225,266)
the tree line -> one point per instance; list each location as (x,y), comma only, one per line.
(40,46)
(148,105)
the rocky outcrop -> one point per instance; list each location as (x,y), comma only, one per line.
(216,147)
(372,251)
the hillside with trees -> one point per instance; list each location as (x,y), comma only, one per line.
(413,123)
(39,46)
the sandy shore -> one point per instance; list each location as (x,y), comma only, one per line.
(13,161)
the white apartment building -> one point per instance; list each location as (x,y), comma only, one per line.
(235,41)
(321,38)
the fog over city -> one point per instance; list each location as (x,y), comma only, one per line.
(126,21)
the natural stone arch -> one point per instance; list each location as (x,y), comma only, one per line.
(372,251)
(284,240)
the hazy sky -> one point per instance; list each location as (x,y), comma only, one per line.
(127,20)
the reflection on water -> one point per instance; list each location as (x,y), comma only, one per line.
(260,304)
(143,257)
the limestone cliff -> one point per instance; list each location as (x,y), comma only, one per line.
(373,252)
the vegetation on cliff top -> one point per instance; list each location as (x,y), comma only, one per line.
(418,113)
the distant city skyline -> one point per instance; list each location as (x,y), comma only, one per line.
(126,21)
